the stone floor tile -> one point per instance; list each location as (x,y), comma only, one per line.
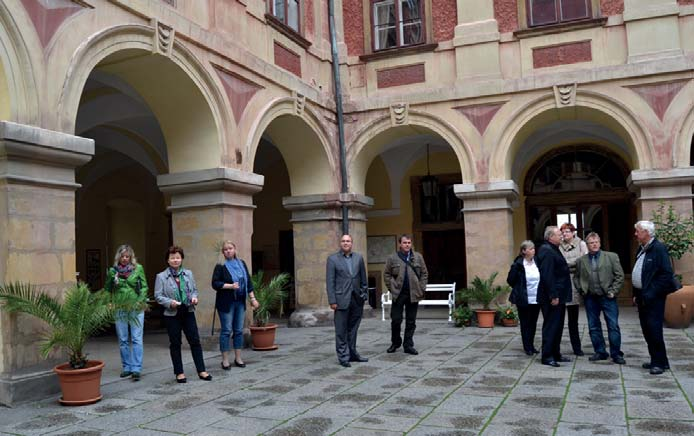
(281,410)
(459,422)
(573,429)
(514,430)
(655,427)
(593,414)
(350,431)
(640,408)
(383,422)
(240,425)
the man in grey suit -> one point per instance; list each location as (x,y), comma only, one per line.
(347,289)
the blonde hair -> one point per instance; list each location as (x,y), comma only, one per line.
(125,249)
(224,244)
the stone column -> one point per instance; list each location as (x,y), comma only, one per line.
(317,224)
(37,244)
(674,187)
(488,215)
(476,41)
(210,206)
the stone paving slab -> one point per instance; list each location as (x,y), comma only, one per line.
(464,382)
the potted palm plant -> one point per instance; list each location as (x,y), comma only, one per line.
(80,314)
(269,295)
(483,291)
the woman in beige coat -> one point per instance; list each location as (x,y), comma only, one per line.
(572,248)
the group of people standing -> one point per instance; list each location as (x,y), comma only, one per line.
(566,270)
(177,292)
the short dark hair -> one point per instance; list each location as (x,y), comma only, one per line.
(404,236)
(592,235)
(173,250)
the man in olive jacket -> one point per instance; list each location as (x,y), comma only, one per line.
(406,278)
(599,278)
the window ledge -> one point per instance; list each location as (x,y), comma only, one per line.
(394,52)
(287,31)
(559,28)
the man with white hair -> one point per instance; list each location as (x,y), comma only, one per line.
(652,279)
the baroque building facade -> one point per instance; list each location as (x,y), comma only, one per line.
(471,124)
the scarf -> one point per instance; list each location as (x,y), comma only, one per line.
(183,294)
(238,273)
(124,271)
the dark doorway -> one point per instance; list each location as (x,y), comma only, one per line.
(444,254)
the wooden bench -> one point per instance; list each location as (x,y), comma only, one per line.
(386,299)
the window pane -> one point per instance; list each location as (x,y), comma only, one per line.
(293,14)
(384,13)
(412,33)
(385,38)
(542,12)
(574,9)
(410,9)
(278,9)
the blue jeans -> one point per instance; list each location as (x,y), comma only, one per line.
(594,305)
(232,321)
(130,331)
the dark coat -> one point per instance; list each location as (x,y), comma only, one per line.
(519,286)
(656,273)
(225,297)
(555,279)
(340,284)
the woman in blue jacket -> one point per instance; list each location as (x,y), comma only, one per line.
(233,284)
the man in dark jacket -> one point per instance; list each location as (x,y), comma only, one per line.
(553,292)
(346,285)
(652,279)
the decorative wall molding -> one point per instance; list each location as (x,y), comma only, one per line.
(163,38)
(299,103)
(399,114)
(659,95)
(565,95)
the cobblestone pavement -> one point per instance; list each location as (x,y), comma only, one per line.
(464,382)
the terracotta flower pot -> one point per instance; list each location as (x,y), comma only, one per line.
(80,386)
(264,337)
(485,318)
(679,308)
(508,322)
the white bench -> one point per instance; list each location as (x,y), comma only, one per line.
(386,299)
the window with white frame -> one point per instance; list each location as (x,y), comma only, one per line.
(286,11)
(396,23)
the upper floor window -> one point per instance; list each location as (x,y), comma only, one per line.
(396,23)
(287,11)
(543,12)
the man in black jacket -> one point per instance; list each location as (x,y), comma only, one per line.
(553,292)
(652,280)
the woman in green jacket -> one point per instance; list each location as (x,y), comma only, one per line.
(126,275)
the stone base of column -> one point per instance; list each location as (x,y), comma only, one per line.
(19,388)
(311,317)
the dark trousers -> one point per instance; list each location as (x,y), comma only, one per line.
(608,306)
(184,321)
(400,303)
(552,328)
(651,318)
(346,326)
(574,334)
(527,315)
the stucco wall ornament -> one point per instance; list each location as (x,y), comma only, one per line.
(163,38)
(399,114)
(299,103)
(565,95)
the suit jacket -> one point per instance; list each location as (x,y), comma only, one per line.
(224,298)
(610,274)
(340,284)
(555,280)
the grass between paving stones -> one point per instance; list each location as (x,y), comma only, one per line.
(624,391)
(686,397)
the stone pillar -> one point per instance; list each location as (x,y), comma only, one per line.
(210,206)
(673,186)
(37,244)
(476,41)
(317,224)
(488,215)
(645,18)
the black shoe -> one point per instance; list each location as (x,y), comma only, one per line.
(125,374)
(619,360)
(552,363)
(346,364)
(240,365)
(358,359)
(598,356)
(529,352)
(181,380)
(227,367)
(412,351)
(563,359)
(136,376)
(536,351)
(579,353)
(656,370)
(207,377)
(392,349)
(648,366)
